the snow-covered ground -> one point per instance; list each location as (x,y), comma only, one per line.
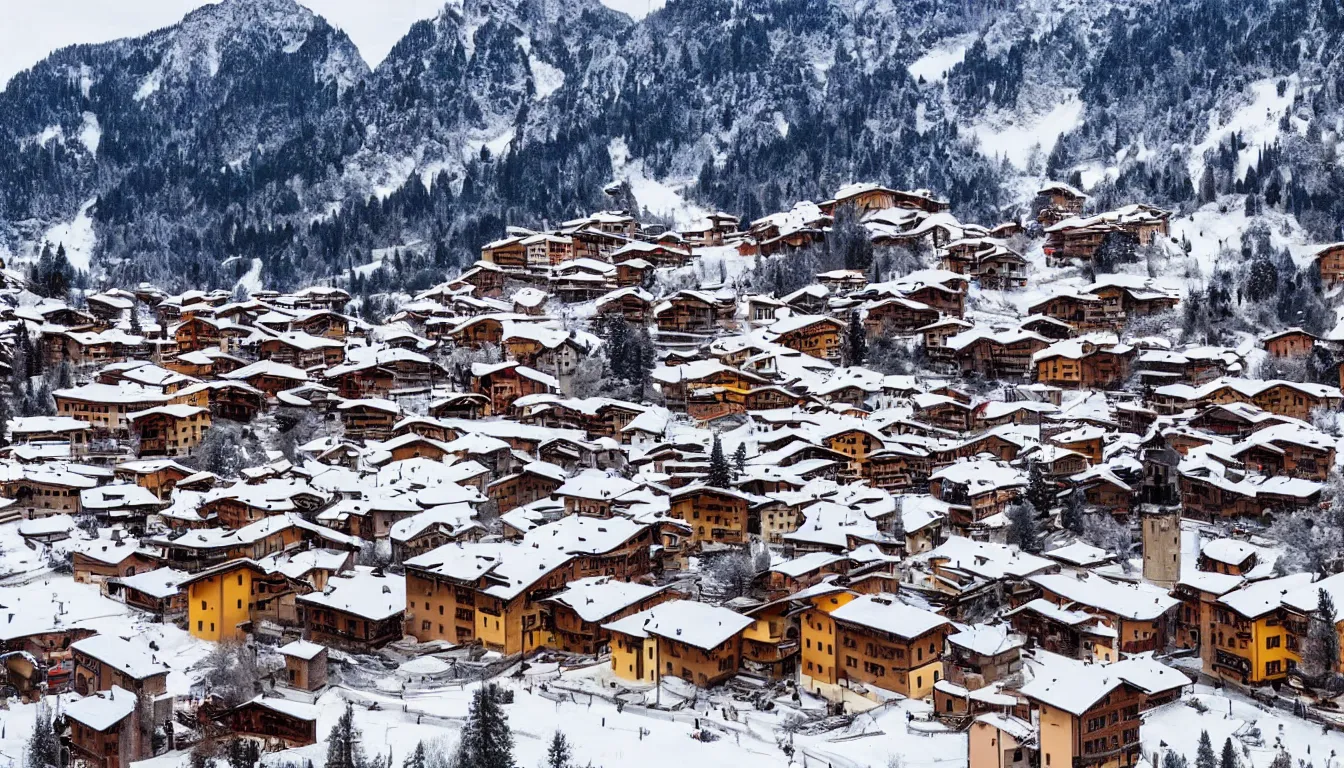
(1217,227)
(661,198)
(934,65)
(1230,715)
(1017,138)
(76,235)
(251,281)
(1255,119)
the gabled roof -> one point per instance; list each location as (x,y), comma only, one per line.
(686,621)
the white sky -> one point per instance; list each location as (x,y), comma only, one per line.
(32,29)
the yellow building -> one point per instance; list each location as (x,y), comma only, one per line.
(1001,741)
(856,443)
(492,593)
(220,601)
(873,640)
(818,662)
(697,642)
(1249,640)
(225,601)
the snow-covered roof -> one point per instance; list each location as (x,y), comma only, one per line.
(158,583)
(128,658)
(302,649)
(987,639)
(1228,551)
(1255,599)
(887,613)
(1079,553)
(103,709)
(1075,686)
(694,623)
(596,598)
(362,593)
(1139,602)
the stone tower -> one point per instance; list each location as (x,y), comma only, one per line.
(1161,544)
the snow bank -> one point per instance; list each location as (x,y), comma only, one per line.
(661,198)
(1256,121)
(1014,137)
(77,236)
(934,65)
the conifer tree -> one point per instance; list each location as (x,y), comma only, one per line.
(44,749)
(1204,757)
(720,474)
(487,741)
(1320,654)
(559,755)
(344,749)
(740,459)
(1040,490)
(1071,518)
(242,753)
(1024,530)
(417,758)
(1229,757)
(856,341)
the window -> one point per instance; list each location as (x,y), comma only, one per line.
(1273,641)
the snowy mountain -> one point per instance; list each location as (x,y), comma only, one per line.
(253,128)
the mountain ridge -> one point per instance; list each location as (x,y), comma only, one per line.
(284,147)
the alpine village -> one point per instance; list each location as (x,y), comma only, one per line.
(852,484)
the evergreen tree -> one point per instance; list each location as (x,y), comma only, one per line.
(52,275)
(344,748)
(1320,653)
(1071,517)
(720,473)
(740,459)
(6,413)
(1174,760)
(44,749)
(896,528)
(487,741)
(559,755)
(1229,757)
(1041,491)
(1208,187)
(1262,280)
(417,758)
(856,341)
(65,375)
(1204,757)
(1024,531)
(1282,760)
